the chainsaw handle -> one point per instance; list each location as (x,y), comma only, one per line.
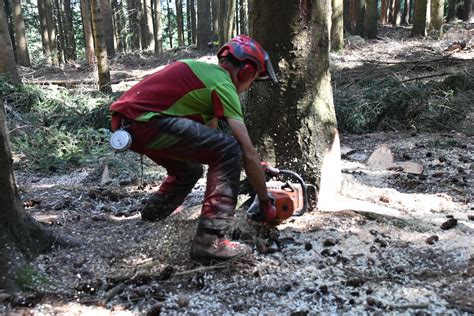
(303,186)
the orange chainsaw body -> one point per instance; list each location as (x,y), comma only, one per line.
(289,198)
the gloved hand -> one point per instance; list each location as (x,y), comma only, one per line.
(269,169)
(262,211)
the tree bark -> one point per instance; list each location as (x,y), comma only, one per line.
(87,29)
(134,25)
(22,54)
(215,17)
(397,17)
(452,10)
(226,21)
(299,113)
(170,26)
(243,17)
(360,11)
(51,25)
(406,9)
(158,31)
(7,57)
(44,30)
(58,15)
(337,26)
(437,13)
(204,34)
(419,18)
(100,48)
(468,11)
(384,12)
(179,22)
(147,25)
(108,25)
(70,51)
(192,6)
(347,15)
(371,19)
(119,25)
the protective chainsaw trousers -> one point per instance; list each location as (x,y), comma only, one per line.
(181,146)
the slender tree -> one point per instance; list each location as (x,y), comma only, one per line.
(179,22)
(383,12)
(192,14)
(157,26)
(44,30)
(100,47)
(226,20)
(51,25)
(371,18)
(299,113)
(87,30)
(452,10)
(119,25)
(215,16)
(468,11)
(337,26)
(108,25)
(203,34)
(437,13)
(7,57)
(58,15)
(397,15)
(134,24)
(22,54)
(406,9)
(70,50)
(244,18)
(347,15)
(360,17)
(419,18)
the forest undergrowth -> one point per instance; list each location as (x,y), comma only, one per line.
(413,94)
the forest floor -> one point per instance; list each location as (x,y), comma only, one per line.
(418,262)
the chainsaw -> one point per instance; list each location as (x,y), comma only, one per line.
(289,193)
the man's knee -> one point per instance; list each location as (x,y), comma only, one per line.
(232,151)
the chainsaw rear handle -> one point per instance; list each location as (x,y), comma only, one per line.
(304,186)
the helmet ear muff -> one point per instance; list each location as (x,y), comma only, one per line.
(247,72)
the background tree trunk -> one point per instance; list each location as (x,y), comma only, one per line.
(204,34)
(170,25)
(452,10)
(157,25)
(397,16)
(70,51)
(243,17)
(360,11)
(371,19)
(437,14)
(147,17)
(215,17)
(119,25)
(59,25)
(7,57)
(383,12)
(192,8)
(337,26)
(406,10)
(44,30)
(22,54)
(100,48)
(179,22)
(419,18)
(134,24)
(468,11)
(299,111)
(51,25)
(108,24)
(87,28)
(226,21)
(347,15)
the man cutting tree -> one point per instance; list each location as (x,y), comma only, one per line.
(172,117)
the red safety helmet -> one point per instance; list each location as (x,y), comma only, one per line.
(245,49)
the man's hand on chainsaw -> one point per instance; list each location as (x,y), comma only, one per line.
(262,211)
(269,169)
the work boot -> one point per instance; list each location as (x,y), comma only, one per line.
(207,247)
(160,206)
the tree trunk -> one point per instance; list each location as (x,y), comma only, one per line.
(70,51)
(215,17)
(360,10)
(135,29)
(119,25)
(22,54)
(7,58)
(371,19)
(21,237)
(411,11)
(468,11)
(100,47)
(419,18)
(299,113)
(406,9)
(244,18)
(204,34)
(226,20)
(337,26)
(51,25)
(193,20)
(437,13)
(170,26)
(87,28)
(179,22)
(147,25)
(108,25)
(452,10)
(397,17)
(158,31)
(347,15)
(59,24)
(44,30)
(384,12)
